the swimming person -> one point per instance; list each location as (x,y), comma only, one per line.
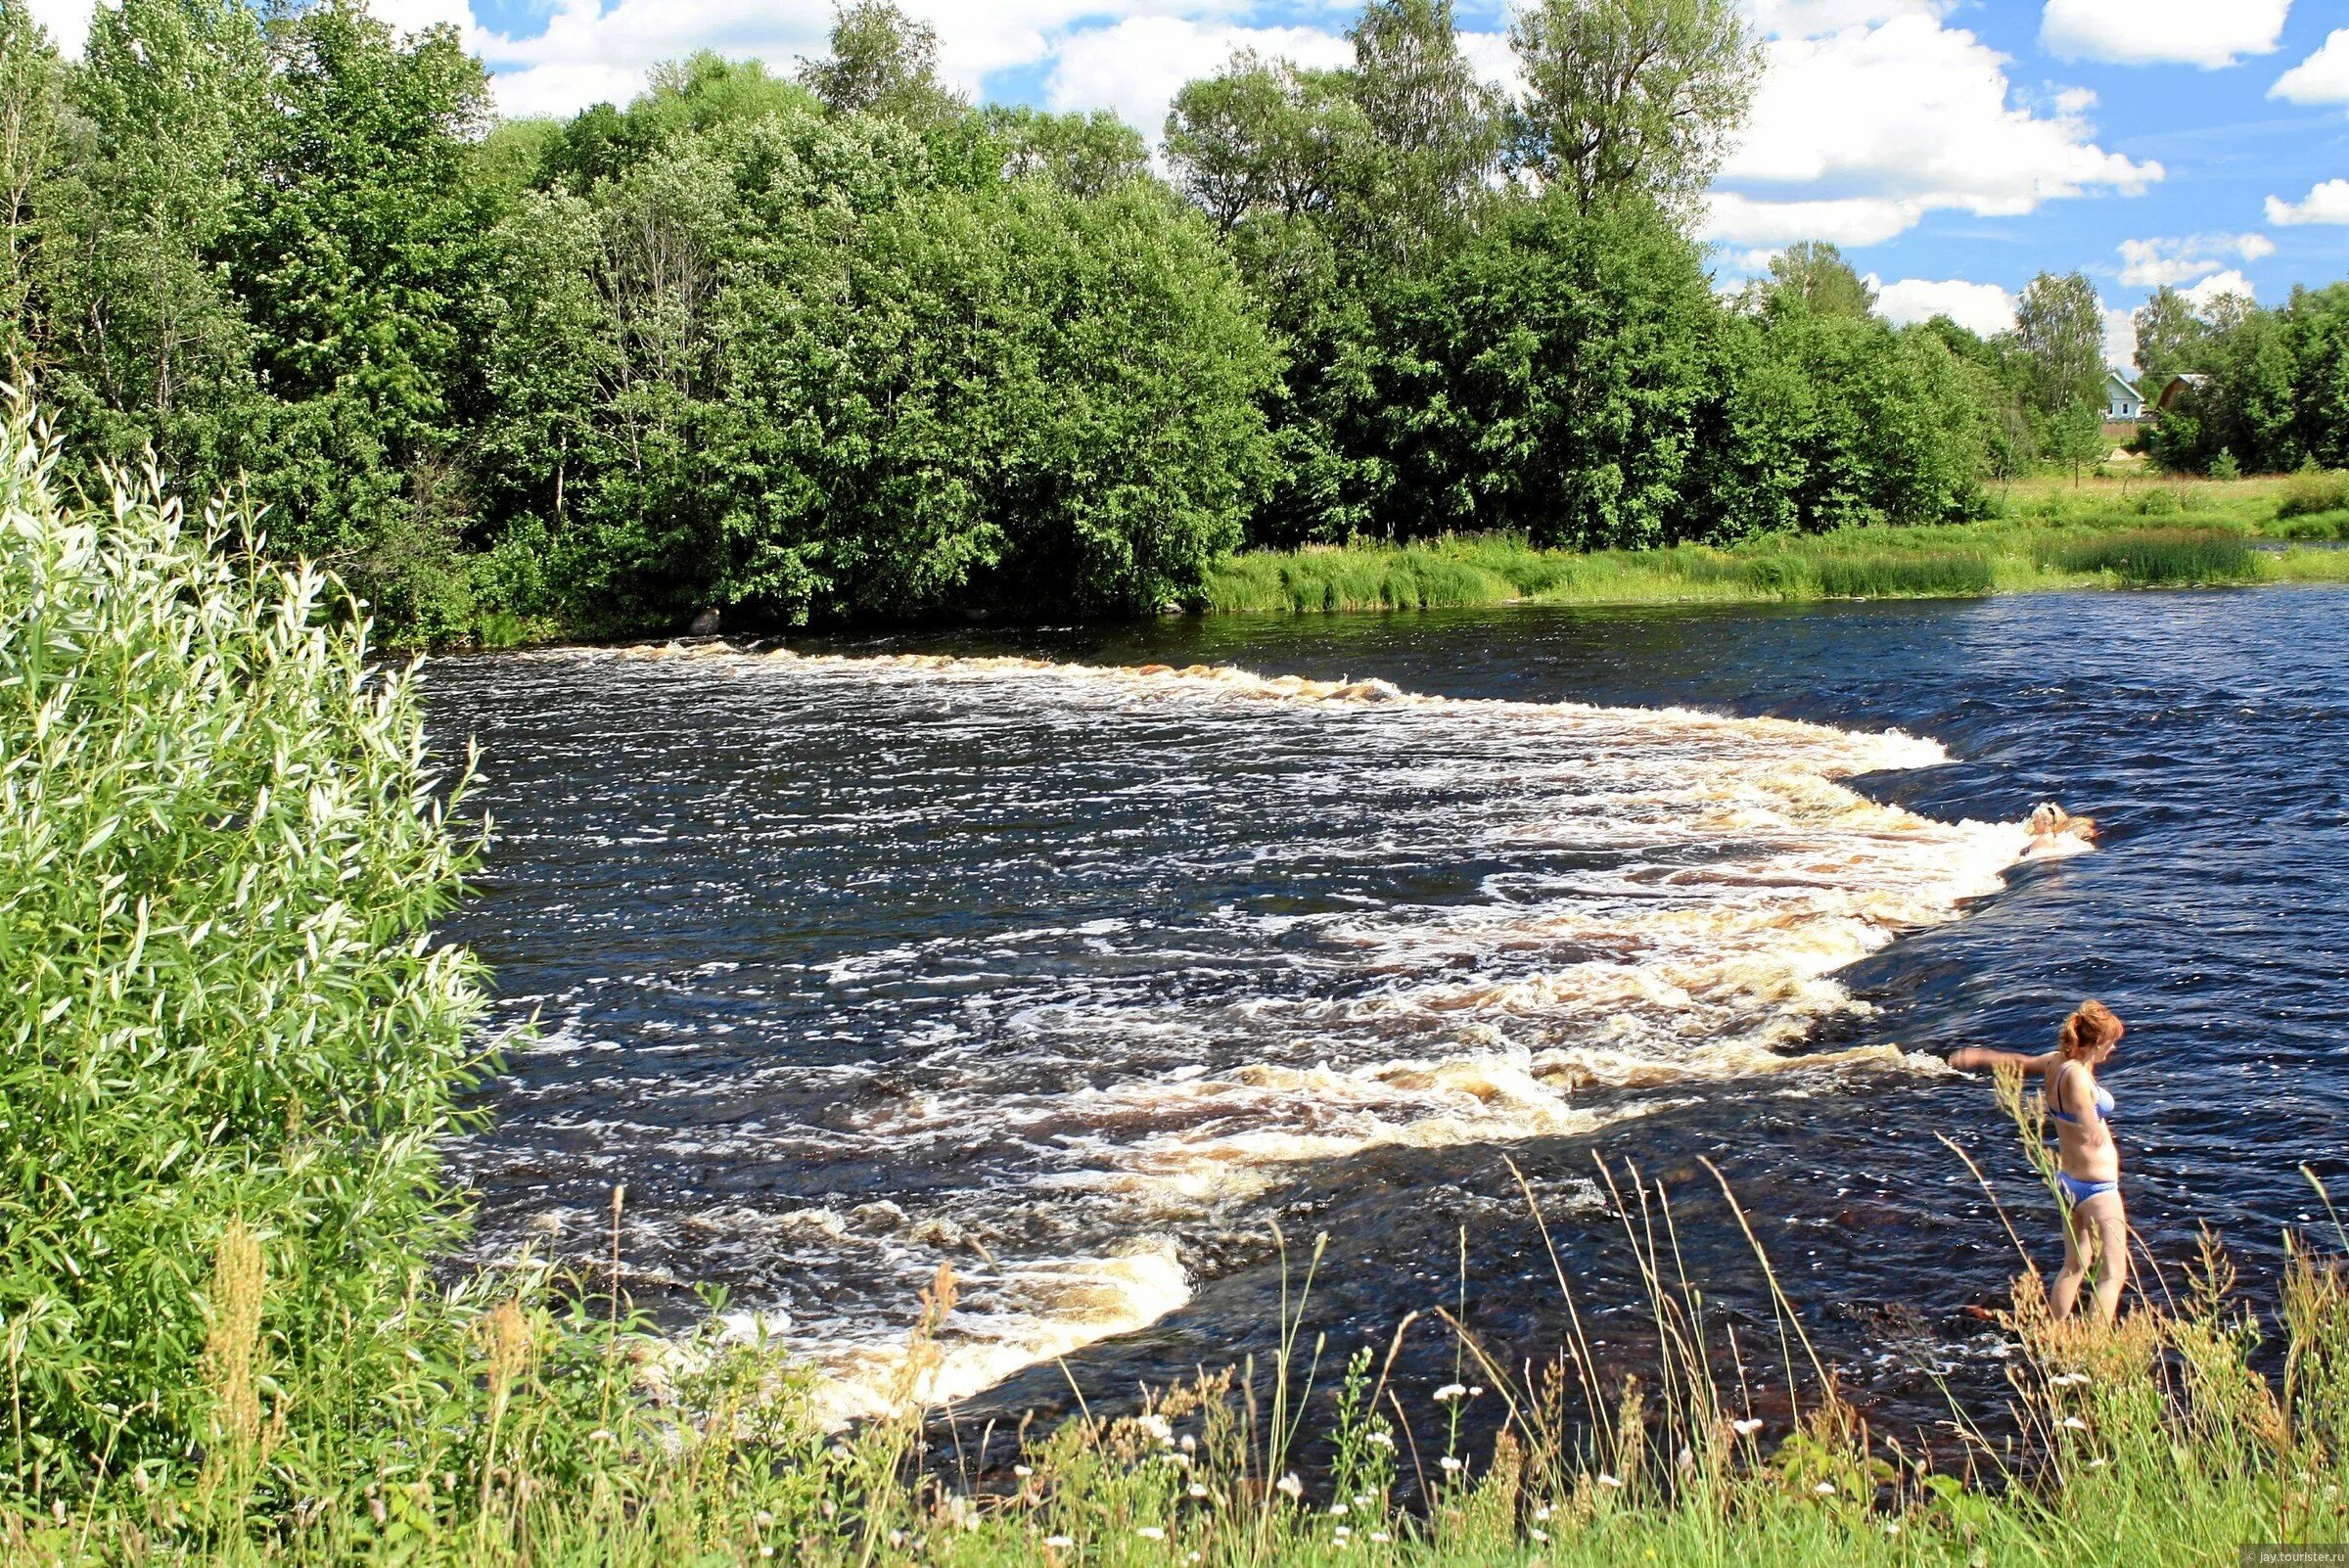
(2088,1166)
(2055,831)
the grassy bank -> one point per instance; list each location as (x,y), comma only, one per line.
(2104,534)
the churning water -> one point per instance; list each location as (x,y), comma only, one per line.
(1080,969)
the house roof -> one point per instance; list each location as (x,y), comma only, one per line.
(2114,377)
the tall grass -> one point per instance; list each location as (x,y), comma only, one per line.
(2148,558)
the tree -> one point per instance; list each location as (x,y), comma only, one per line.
(149,344)
(1633,95)
(1085,155)
(360,261)
(32,92)
(2171,338)
(1262,136)
(1813,275)
(1435,131)
(2074,434)
(2059,324)
(1546,380)
(882,62)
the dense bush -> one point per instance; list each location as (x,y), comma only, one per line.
(2307,494)
(221,850)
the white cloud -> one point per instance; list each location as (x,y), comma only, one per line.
(594,50)
(2209,33)
(1809,19)
(2321,79)
(2327,202)
(1137,66)
(1982,308)
(2120,338)
(1902,118)
(414,16)
(1845,220)
(1492,60)
(590,52)
(2155,262)
(68,23)
(2202,296)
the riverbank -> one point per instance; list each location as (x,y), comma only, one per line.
(2047,534)
(2160,1442)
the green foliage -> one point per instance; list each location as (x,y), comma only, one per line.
(221,854)
(1813,274)
(2171,339)
(1628,97)
(882,62)
(1559,363)
(2059,325)
(2312,491)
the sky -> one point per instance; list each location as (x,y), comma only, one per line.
(1953,148)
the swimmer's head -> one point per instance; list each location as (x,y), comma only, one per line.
(2048,819)
(2090,1033)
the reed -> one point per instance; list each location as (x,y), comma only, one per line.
(2151,558)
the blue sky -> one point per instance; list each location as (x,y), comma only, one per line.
(1953,147)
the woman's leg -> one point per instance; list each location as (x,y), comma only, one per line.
(2111,1222)
(2066,1291)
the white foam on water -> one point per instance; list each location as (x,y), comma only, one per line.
(1704,954)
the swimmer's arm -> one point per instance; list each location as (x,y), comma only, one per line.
(1981,1058)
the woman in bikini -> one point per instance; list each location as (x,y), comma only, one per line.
(2088,1162)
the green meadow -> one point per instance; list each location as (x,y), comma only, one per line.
(2111,533)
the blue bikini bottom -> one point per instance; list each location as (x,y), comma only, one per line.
(2078,1191)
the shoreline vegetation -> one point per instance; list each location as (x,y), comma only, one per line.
(235,1047)
(2125,533)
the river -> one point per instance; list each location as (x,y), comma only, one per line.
(1081,974)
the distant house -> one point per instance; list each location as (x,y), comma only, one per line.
(2177,386)
(2124,404)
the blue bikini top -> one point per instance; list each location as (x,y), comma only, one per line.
(2104,1101)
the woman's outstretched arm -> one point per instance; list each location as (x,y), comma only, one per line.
(1981,1058)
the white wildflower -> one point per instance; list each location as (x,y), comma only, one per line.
(2075,1423)
(1826,1488)
(1539,1534)
(1059,1543)
(1476,1391)
(1022,1471)
(1450,1392)
(1151,1532)
(1381,1536)
(1379,1440)
(1342,1532)
(1195,1490)
(1449,1462)
(1156,1427)
(1542,1511)
(1337,1511)
(1745,1428)
(1606,1480)
(1288,1486)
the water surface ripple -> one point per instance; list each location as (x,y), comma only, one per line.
(1074,978)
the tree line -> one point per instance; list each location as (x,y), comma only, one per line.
(839,345)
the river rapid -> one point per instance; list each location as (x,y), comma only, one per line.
(1080,961)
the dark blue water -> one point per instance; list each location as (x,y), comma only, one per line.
(847,974)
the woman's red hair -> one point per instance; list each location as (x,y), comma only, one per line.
(2092,1027)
